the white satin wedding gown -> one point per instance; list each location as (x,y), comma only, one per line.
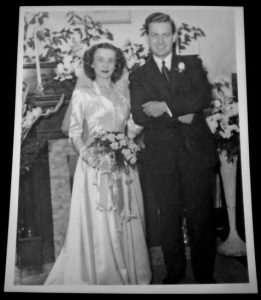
(102,247)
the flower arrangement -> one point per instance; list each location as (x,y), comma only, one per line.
(223,119)
(88,31)
(186,34)
(65,47)
(135,55)
(109,151)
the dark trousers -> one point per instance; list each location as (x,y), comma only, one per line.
(166,198)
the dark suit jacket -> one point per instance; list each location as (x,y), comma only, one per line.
(167,139)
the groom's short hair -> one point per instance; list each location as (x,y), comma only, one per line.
(159,17)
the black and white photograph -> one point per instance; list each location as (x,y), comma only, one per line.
(130,164)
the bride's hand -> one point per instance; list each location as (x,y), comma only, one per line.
(186,119)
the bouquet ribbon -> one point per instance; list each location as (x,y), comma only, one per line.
(114,200)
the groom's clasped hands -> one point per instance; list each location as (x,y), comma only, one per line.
(158,108)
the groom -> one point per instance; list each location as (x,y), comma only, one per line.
(168,95)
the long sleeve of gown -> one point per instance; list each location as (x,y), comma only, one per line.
(77,120)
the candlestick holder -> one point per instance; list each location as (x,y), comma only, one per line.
(39,90)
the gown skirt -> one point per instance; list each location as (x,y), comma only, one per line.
(105,242)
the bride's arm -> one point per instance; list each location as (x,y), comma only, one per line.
(82,82)
(133,129)
(77,120)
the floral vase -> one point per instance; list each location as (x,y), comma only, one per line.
(233,245)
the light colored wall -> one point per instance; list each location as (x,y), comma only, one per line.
(217,49)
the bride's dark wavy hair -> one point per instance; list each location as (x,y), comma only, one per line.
(89,56)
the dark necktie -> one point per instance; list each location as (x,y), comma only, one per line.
(165,71)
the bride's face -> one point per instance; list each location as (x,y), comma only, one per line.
(104,61)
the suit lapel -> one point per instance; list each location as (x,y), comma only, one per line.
(180,81)
(156,77)
(174,74)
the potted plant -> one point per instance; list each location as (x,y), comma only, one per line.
(136,54)
(223,121)
(59,51)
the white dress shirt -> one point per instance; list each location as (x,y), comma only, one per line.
(167,60)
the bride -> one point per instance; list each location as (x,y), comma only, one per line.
(105,242)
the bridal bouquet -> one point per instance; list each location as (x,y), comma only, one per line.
(110,150)
(223,119)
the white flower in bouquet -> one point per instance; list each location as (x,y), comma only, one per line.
(111,137)
(120,136)
(115,145)
(132,146)
(123,142)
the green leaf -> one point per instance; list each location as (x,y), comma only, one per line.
(85,41)
(33,21)
(202,32)
(143,31)
(40,35)
(45,15)
(78,17)
(47,32)
(40,20)
(26,25)
(110,36)
(79,31)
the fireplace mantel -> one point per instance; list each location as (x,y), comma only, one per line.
(50,128)
(35,203)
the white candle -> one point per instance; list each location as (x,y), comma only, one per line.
(38,70)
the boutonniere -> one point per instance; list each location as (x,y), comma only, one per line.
(181,67)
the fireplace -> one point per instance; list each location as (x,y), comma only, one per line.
(45,191)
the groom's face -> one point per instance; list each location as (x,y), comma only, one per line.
(160,38)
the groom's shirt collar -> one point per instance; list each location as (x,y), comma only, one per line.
(167,60)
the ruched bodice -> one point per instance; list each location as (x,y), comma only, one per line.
(97,112)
